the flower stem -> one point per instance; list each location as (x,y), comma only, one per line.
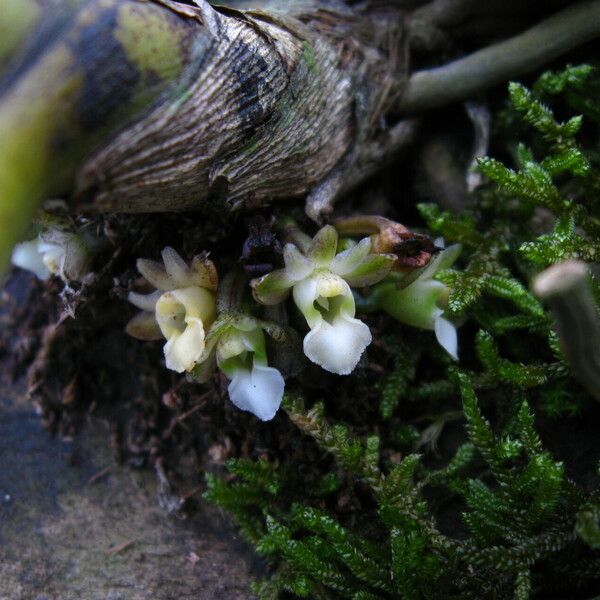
(367,225)
(293,234)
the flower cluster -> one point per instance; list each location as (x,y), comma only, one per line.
(183,311)
(180,310)
(205,331)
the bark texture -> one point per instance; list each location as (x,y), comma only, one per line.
(265,108)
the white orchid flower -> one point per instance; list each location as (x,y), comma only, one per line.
(181,309)
(237,342)
(26,255)
(419,304)
(54,252)
(320,279)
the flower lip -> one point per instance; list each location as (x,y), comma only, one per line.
(174,309)
(237,341)
(184,350)
(336,339)
(445,332)
(337,345)
(259,390)
(53,255)
(419,303)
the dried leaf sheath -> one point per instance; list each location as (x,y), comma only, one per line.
(264,108)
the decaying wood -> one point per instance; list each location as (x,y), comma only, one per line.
(268,109)
(158,105)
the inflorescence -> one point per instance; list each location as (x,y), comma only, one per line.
(208,326)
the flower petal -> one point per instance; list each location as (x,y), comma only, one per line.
(204,273)
(350,259)
(183,351)
(144,301)
(272,288)
(445,332)
(155,274)
(305,294)
(324,246)
(297,266)
(177,269)
(259,391)
(143,326)
(337,346)
(372,270)
(26,256)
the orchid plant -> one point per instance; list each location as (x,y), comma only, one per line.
(180,310)
(236,342)
(57,250)
(320,279)
(419,302)
(183,310)
(204,331)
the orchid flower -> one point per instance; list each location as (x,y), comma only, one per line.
(237,342)
(420,304)
(55,251)
(180,310)
(320,279)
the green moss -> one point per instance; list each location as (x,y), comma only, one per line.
(521,528)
